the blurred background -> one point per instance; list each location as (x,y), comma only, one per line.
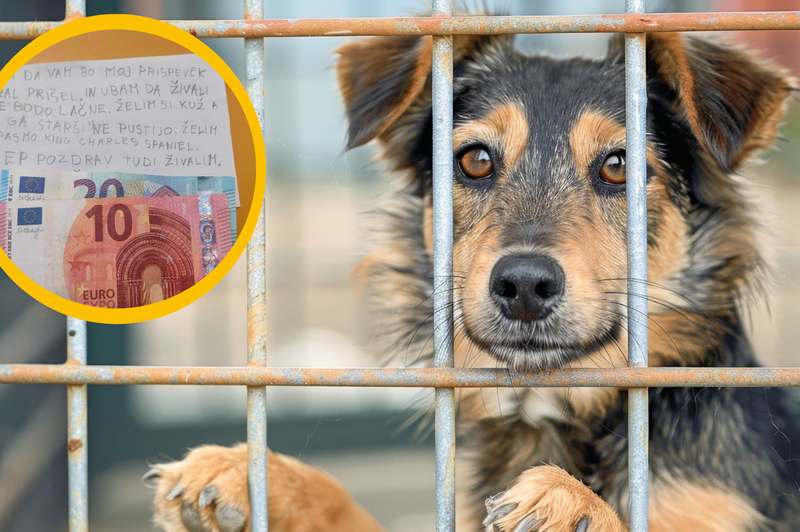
(315,194)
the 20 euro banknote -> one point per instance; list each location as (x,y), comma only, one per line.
(117,252)
(34,185)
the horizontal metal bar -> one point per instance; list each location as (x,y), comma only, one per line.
(628,377)
(444,25)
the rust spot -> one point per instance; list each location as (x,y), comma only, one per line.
(193,31)
(74,444)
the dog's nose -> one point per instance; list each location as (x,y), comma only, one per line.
(526,288)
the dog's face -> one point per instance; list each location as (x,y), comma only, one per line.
(539,205)
(540,181)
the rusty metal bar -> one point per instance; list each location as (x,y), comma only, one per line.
(399,377)
(74,9)
(77,400)
(77,431)
(445,25)
(636,170)
(445,417)
(256,300)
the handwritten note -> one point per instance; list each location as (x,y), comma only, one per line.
(148,115)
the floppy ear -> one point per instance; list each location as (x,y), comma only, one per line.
(379,79)
(731,104)
(385,83)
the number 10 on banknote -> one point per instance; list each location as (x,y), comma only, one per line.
(117,252)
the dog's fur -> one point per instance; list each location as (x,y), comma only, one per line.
(722,459)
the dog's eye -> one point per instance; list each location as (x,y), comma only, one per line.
(476,163)
(613,169)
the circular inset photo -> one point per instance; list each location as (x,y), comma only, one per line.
(131,168)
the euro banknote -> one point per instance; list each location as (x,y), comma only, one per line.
(117,252)
(33,185)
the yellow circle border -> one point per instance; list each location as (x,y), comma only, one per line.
(194,45)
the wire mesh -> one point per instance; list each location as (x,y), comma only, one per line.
(444,377)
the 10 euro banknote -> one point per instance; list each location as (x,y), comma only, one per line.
(117,252)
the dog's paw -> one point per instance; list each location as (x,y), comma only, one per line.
(548,499)
(204,492)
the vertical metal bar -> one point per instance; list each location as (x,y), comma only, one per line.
(77,431)
(75,9)
(636,125)
(256,300)
(77,412)
(445,439)
(77,449)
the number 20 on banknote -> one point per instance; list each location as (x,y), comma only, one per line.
(120,226)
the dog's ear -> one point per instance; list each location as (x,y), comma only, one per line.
(383,79)
(379,79)
(731,104)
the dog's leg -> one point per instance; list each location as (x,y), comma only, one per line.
(547,498)
(207,492)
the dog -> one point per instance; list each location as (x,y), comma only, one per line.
(540,282)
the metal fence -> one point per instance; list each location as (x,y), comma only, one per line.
(442,25)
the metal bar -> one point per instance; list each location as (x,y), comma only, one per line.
(445,434)
(480,25)
(256,300)
(636,172)
(77,403)
(256,376)
(630,377)
(77,444)
(74,9)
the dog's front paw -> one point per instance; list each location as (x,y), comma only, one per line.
(204,492)
(548,499)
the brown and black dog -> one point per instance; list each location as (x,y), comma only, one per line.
(540,283)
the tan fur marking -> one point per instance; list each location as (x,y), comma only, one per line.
(671,250)
(365,268)
(353,54)
(505,126)
(550,493)
(301,498)
(593,252)
(673,58)
(415,86)
(474,256)
(427,222)
(763,131)
(592,133)
(680,505)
